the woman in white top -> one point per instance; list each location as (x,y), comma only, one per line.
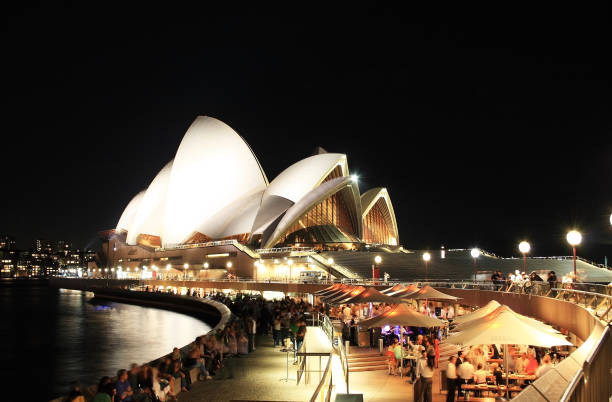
(425,371)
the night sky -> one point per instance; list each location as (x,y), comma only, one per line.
(487,126)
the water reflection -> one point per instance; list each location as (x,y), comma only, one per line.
(63,336)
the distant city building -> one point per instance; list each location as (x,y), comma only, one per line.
(44,258)
(7,242)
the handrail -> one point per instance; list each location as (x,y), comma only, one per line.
(278,250)
(325,394)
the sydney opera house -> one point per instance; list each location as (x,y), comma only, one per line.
(212,207)
(211,212)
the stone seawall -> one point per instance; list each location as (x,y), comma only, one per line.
(209,311)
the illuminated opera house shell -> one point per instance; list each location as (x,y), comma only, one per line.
(216,189)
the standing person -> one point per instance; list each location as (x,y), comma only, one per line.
(465,372)
(251,330)
(276,330)
(425,370)
(451,379)
(459,358)
(450,313)
(436,343)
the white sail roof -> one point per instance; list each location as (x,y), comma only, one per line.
(213,168)
(298,179)
(127,217)
(312,199)
(149,218)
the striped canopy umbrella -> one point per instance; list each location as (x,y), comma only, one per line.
(429,293)
(408,289)
(331,288)
(370,295)
(403,315)
(481,312)
(395,288)
(345,295)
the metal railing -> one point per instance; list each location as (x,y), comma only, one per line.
(323,392)
(280,250)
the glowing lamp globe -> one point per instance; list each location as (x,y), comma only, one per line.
(426,257)
(377,259)
(229,264)
(475,253)
(330,261)
(186,266)
(524,247)
(574,238)
(206,265)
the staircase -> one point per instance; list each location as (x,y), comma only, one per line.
(369,361)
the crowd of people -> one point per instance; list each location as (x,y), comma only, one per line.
(481,365)
(162,379)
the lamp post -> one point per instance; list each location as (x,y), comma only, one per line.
(375,268)
(330,261)
(185,268)
(228,265)
(475,254)
(524,248)
(426,258)
(574,238)
(290,263)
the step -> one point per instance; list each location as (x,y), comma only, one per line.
(360,355)
(369,359)
(367,364)
(377,356)
(370,368)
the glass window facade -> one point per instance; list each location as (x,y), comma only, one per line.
(378,226)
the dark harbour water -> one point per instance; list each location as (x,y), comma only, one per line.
(50,337)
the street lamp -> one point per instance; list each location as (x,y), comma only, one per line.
(426,258)
(206,265)
(377,261)
(185,268)
(574,238)
(475,254)
(524,248)
(290,263)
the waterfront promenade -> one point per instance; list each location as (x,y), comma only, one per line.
(257,376)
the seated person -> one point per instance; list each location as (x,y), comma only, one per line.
(124,390)
(165,374)
(497,374)
(180,378)
(480,377)
(106,390)
(532,365)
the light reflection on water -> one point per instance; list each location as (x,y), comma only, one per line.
(67,337)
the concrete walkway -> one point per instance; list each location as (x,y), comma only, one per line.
(378,386)
(256,377)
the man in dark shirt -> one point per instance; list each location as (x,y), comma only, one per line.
(124,390)
(133,376)
(459,358)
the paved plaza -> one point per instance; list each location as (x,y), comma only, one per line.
(257,377)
